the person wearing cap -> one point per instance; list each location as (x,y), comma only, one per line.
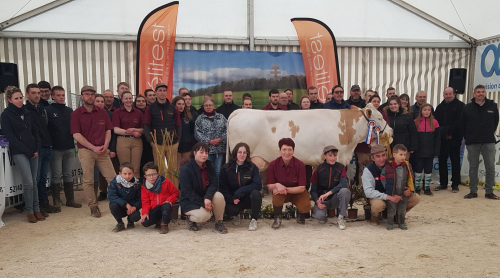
(329,188)
(286,178)
(312,92)
(44,94)
(355,98)
(161,116)
(377,177)
(91,128)
(337,101)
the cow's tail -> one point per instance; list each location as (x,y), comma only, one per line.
(227,135)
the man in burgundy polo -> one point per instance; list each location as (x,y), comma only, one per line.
(286,178)
(274,101)
(91,128)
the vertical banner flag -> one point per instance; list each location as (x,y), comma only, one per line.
(155,48)
(319,53)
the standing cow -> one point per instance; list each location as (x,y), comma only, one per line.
(311,131)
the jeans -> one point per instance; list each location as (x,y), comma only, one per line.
(28,169)
(44,157)
(216,160)
(119,212)
(487,150)
(60,166)
(453,150)
(252,201)
(161,213)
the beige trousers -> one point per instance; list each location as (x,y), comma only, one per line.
(130,150)
(203,215)
(88,159)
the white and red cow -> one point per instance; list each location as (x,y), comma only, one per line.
(311,131)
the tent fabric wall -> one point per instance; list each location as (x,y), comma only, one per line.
(103,64)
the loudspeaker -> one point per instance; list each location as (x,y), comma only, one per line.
(8,76)
(458,77)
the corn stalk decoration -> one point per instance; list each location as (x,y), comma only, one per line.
(160,150)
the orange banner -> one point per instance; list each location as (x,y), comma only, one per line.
(319,52)
(155,48)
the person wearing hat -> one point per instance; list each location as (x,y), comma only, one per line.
(337,101)
(91,128)
(329,188)
(378,179)
(355,98)
(161,116)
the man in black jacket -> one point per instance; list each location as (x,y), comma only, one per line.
(44,94)
(390,93)
(63,147)
(312,92)
(355,98)
(479,122)
(448,116)
(45,153)
(291,105)
(228,106)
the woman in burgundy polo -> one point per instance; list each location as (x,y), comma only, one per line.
(128,127)
(286,178)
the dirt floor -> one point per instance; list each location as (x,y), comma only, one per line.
(447,236)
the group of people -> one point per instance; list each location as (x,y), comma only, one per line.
(116,138)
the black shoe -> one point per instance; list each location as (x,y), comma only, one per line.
(428,192)
(470,196)
(50,209)
(219,227)
(102,196)
(491,196)
(192,226)
(454,189)
(301,218)
(417,191)
(439,188)
(119,227)
(130,225)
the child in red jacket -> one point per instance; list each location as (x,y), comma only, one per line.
(158,196)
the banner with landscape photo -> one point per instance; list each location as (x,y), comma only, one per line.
(254,72)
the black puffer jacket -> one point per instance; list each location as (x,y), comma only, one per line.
(403,126)
(238,181)
(59,116)
(479,123)
(448,117)
(226,109)
(20,130)
(40,119)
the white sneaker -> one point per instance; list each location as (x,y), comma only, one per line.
(253,225)
(341,223)
(236,220)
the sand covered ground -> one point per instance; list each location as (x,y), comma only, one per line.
(447,236)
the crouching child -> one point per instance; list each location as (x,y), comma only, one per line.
(158,195)
(124,195)
(402,181)
(329,188)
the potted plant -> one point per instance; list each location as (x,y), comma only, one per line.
(290,211)
(268,212)
(247,213)
(357,195)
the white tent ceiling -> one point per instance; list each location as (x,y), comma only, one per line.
(349,20)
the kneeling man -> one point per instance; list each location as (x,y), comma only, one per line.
(375,178)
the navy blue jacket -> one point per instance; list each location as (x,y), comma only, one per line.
(20,130)
(236,182)
(59,126)
(40,119)
(332,104)
(123,196)
(192,194)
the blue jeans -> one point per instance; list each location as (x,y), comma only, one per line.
(28,169)
(216,160)
(60,166)
(44,157)
(487,150)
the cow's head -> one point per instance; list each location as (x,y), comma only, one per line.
(373,114)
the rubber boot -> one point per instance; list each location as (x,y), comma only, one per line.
(278,211)
(56,194)
(427,184)
(70,196)
(418,181)
(401,223)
